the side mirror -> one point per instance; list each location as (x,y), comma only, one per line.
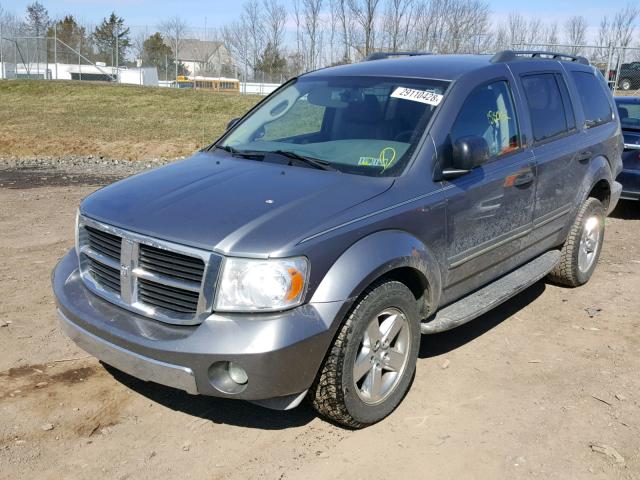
(232,123)
(467,154)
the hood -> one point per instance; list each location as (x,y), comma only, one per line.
(230,205)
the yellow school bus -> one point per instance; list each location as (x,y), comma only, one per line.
(216,84)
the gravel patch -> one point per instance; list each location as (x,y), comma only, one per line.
(33,172)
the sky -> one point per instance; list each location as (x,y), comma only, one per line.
(217,12)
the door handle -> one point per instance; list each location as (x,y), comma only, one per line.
(585,156)
(524,179)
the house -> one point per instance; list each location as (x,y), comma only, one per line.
(205,58)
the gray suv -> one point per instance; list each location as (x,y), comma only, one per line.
(304,253)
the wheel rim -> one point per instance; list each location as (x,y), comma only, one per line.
(626,84)
(382,356)
(589,243)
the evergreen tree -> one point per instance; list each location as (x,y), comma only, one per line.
(271,64)
(70,35)
(156,53)
(111,39)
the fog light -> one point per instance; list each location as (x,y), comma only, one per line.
(228,377)
(237,373)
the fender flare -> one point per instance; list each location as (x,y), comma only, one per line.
(372,257)
(599,169)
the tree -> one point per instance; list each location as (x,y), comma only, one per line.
(272,64)
(575,31)
(397,23)
(174,30)
(111,39)
(276,18)
(365,14)
(311,12)
(70,35)
(37,19)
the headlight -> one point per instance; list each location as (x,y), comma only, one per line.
(261,285)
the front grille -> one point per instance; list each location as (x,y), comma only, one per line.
(104,243)
(176,265)
(169,298)
(106,276)
(159,279)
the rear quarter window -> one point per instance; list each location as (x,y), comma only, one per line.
(546,106)
(594,98)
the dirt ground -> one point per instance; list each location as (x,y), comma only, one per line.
(547,386)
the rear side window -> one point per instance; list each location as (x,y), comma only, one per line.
(547,110)
(488,112)
(596,106)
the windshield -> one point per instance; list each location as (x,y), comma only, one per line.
(362,125)
(629,113)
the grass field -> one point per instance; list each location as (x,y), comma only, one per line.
(116,121)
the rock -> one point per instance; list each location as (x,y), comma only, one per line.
(609,452)
(41,384)
(593,311)
(186,447)
(620,397)
(47,427)
(445,364)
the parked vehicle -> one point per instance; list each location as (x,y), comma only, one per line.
(357,207)
(629,76)
(629,113)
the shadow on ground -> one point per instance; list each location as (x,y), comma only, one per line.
(217,410)
(627,210)
(244,414)
(441,343)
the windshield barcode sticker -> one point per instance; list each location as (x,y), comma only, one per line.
(430,98)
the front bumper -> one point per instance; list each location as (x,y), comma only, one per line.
(280,352)
(630,180)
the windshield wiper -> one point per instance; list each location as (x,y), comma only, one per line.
(260,155)
(314,162)
(226,148)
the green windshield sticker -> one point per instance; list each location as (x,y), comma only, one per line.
(386,158)
(496,117)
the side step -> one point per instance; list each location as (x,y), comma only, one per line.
(492,295)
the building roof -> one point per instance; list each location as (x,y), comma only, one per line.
(194,50)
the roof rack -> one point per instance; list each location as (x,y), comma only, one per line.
(383,55)
(512,55)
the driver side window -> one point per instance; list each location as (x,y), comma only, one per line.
(488,113)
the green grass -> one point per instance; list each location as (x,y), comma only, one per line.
(116,121)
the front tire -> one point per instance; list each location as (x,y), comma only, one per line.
(625,84)
(371,363)
(581,251)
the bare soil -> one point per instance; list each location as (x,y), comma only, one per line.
(546,386)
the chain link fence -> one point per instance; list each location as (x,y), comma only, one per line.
(143,56)
(619,65)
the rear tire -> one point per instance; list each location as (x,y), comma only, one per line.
(581,250)
(625,84)
(371,363)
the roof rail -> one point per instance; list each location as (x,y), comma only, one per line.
(383,55)
(512,55)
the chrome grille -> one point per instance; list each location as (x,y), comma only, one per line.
(106,276)
(171,298)
(162,280)
(164,262)
(104,243)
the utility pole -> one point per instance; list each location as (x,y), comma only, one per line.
(117,53)
(55,47)
(1,55)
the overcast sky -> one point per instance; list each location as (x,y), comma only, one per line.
(217,12)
